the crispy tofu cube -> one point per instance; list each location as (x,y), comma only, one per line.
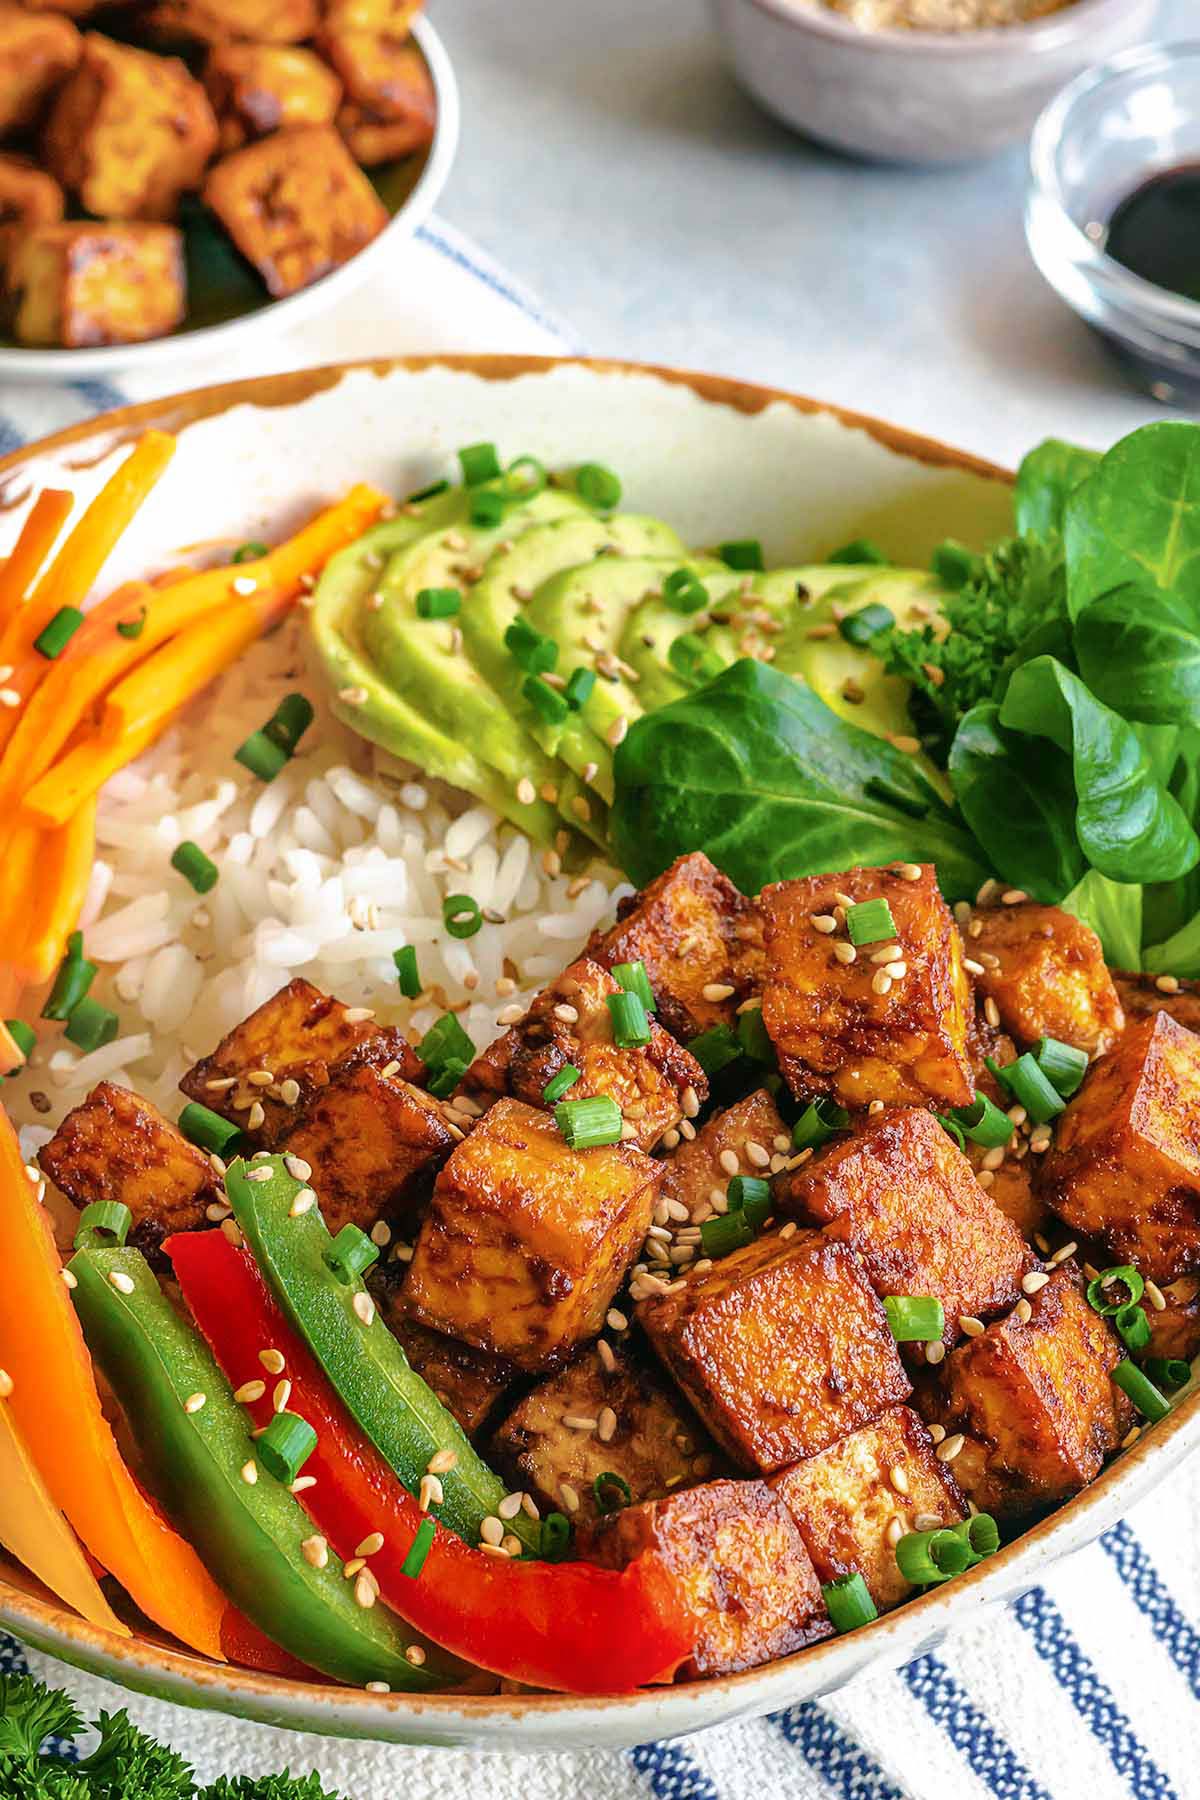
(129,132)
(296,204)
(695,932)
(526,1240)
(899,1192)
(845,1499)
(1140,996)
(1011,1191)
(569,1022)
(1040,1398)
(36,52)
(298,1038)
(221,21)
(1044,971)
(781,1347)
(1125,1166)
(117,1146)
(1175,1330)
(835,1031)
(738,1562)
(82,283)
(257,88)
(28,197)
(656,1444)
(372,140)
(750,1131)
(373,1143)
(469,1383)
(369,43)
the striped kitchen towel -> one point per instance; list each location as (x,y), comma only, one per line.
(1087,1689)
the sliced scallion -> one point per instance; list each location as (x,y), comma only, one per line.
(445,1040)
(983,1122)
(445,1078)
(1028,1085)
(407,973)
(418,1550)
(1062,1064)
(556,1537)
(529,649)
(1133,1327)
(820,1120)
(91,1025)
(725,1232)
(630,1025)
(587,1124)
(754,1037)
(560,1084)
(285,1446)
(598,486)
(438,603)
(487,508)
(684,592)
(981,1534)
(54,636)
(207,1129)
(611,1492)
(75,976)
(1104,1291)
(742,553)
(848,1603)
(545,700)
(132,628)
(252,551)
(578,690)
(351,1253)
(928,1557)
(914,1318)
(1168,1371)
(1145,1396)
(633,978)
(461,915)
(693,660)
(870,922)
(954,1128)
(861,626)
(524,478)
(715,1049)
(859,550)
(22,1035)
(479,462)
(262,757)
(749,1195)
(103,1225)
(199,870)
(290,720)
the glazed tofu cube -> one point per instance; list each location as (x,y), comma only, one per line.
(80,284)
(1175,1328)
(469,1383)
(296,204)
(849,1028)
(1141,995)
(1125,1166)
(699,938)
(845,1500)
(129,132)
(286,1050)
(741,1140)
(36,52)
(117,1146)
(220,21)
(781,1347)
(643,1432)
(655,1086)
(1010,1188)
(369,43)
(526,1240)
(1044,973)
(899,1192)
(371,140)
(257,88)
(738,1561)
(373,1143)
(28,197)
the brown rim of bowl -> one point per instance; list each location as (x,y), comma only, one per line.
(176,413)
(1040,34)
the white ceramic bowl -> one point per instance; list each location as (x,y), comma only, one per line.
(202,341)
(719,459)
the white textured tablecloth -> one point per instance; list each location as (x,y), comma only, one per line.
(1087,1689)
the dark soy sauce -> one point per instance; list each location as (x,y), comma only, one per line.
(1155,231)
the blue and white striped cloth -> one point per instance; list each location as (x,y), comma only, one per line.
(1087,1689)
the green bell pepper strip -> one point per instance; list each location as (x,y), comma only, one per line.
(397,1411)
(249,1535)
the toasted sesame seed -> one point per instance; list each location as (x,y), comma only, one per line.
(1023,1311)
(194,1403)
(909,871)
(1155,1296)
(886,953)
(249,1472)
(68,1279)
(371,1545)
(897,970)
(491,1530)
(825,923)
(971,966)
(874,1107)
(302,1201)
(844,952)
(221,1084)
(898,1476)
(415,1655)
(431,1492)
(217,1165)
(353,696)
(249,1392)
(821,631)
(118,1279)
(567,1015)
(729,1162)
(6,1384)
(949,1449)
(289,1091)
(1131,1437)
(441,1462)
(881,982)
(302,1483)
(893,1530)
(376,1687)
(1067,1250)
(569,1496)
(970,1326)
(365,1591)
(1013,897)
(935,1350)
(616,1321)
(217,1211)
(364,1307)
(259,1174)
(9,697)
(510,1506)
(616,732)
(1040,1140)
(256,1117)
(756,1153)
(1034,1282)
(787,1231)
(231,1233)
(352,1568)
(991,1012)
(315,1551)
(604,1351)
(281,1394)
(272,1361)
(937,1432)
(1167,984)
(578,1422)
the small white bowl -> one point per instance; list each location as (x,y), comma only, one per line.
(199,342)
(916,96)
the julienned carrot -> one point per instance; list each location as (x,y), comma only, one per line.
(18,896)
(43,522)
(57,1411)
(80,774)
(68,856)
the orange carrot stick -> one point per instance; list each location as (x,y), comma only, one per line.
(68,856)
(43,522)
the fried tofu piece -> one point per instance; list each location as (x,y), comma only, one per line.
(899,1192)
(1045,973)
(656,1444)
(695,932)
(372,140)
(738,1562)
(835,1032)
(117,1146)
(373,1143)
(129,132)
(782,1347)
(1125,1165)
(298,1038)
(296,204)
(750,1131)
(1011,1190)
(222,21)
(1140,997)
(36,52)
(470,1384)
(28,197)
(845,1499)
(526,1240)
(83,283)
(369,43)
(257,88)
(569,1022)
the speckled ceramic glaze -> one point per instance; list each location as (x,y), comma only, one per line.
(916,96)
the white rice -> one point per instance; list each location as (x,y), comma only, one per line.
(324,872)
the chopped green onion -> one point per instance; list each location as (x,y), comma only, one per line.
(529,649)
(928,1557)
(597,485)
(1062,1065)
(545,700)
(91,1025)
(262,757)
(445,1040)
(22,1035)
(1133,1327)
(1026,1083)
(955,565)
(479,463)
(875,788)
(631,1027)
(870,922)
(725,1232)
(289,722)
(132,628)
(848,1603)
(54,637)
(351,1253)
(1168,1371)
(983,1122)
(75,976)
(742,553)
(430,492)
(207,1129)
(1145,1396)
(197,869)
(754,1037)
(747,1191)
(586,1124)
(418,1550)
(487,508)
(461,915)
(560,1084)
(438,603)
(981,1534)
(103,1225)
(445,1078)
(692,659)
(514,487)
(249,552)
(684,592)
(819,1121)
(715,1049)
(407,973)
(622,1491)
(1102,1301)
(861,626)
(285,1446)
(633,978)
(556,1537)
(954,1128)
(578,690)
(859,550)
(914,1318)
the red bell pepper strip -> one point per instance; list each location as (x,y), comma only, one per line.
(567,1626)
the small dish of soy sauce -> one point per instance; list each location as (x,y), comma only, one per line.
(1113,213)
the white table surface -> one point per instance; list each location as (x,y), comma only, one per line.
(610,161)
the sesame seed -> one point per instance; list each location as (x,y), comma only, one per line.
(1067,1250)
(881,982)
(510,1506)
(354,1567)
(415,1655)
(971,966)
(491,1530)
(365,1591)
(569,1496)
(935,1350)
(303,1201)
(441,1462)
(1040,1140)
(9,697)
(874,1107)
(315,1551)
(194,1403)
(529,1507)
(825,923)
(718,990)
(353,696)
(69,1280)
(259,1078)
(272,1361)
(605,1352)
(259,1174)
(371,1545)
(1131,1437)
(821,631)
(616,1321)
(231,1233)
(509,1015)
(993,1158)
(970,1326)
(364,1307)
(1155,1296)
(1013,897)
(1034,1282)
(377,1687)
(216,1164)
(937,1433)
(358,1015)
(845,953)
(567,1015)
(431,1492)
(249,1472)
(579,1422)
(302,1483)
(898,1477)
(894,1530)
(1023,1311)
(221,1084)
(991,1012)
(670,1138)
(789,1230)
(256,1117)
(886,953)
(249,1392)
(897,970)
(216,1212)
(757,1153)
(118,1279)
(729,1162)
(947,1451)
(1167,984)
(909,871)
(289,1091)
(281,1394)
